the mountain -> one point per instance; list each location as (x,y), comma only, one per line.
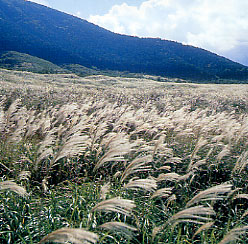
(63,39)
(25,62)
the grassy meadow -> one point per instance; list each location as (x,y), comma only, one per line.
(122,160)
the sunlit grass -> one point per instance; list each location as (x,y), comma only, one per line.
(122,160)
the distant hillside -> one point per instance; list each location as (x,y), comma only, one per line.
(25,62)
(63,39)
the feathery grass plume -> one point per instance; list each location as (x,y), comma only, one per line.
(118,147)
(117,204)
(75,145)
(48,141)
(224,152)
(104,190)
(197,215)
(31,126)
(46,147)
(174,177)
(120,228)
(44,185)
(158,144)
(166,167)
(164,192)
(233,235)
(24,175)
(12,186)
(241,163)
(203,227)
(244,214)
(2,120)
(12,110)
(171,199)
(232,192)
(73,235)
(106,141)
(145,184)
(200,143)
(97,131)
(214,193)
(169,176)
(155,231)
(17,135)
(45,124)
(197,165)
(137,165)
(245,196)
(174,160)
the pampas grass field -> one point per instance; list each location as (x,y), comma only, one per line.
(122,160)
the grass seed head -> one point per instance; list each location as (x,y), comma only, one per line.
(76,236)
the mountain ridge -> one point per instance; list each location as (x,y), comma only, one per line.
(62,39)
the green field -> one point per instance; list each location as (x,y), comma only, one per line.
(122,160)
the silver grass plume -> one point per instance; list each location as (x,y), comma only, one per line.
(104,190)
(174,177)
(12,110)
(169,176)
(244,196)
(117,204)
(12,186)
(196,165)
(45,148)
(18,133)
(163,193)
(198,215)
(211,194)
(137,165)
(200,143)
(241,163)
(158,144)
(165,167)
(118,147)
(73,235)
(244,214)
(171,199)
(203,227)
(120,228)
(75,145)
(233,235)
(174,160)
(144,184)
(224,152)
(24,175)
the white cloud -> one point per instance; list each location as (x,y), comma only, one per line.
(217,25)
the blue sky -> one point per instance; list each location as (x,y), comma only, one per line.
(85,8)
(220,26)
